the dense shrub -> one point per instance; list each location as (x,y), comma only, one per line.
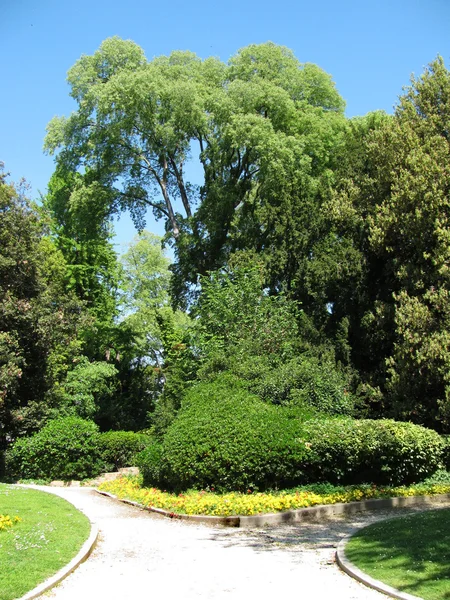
(64,449)
(149,462)
(119,448)
(384,451)
(227,439)
(446,451)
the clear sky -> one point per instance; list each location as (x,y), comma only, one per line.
(370,47)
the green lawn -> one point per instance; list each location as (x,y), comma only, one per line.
(411,553)
(49,535)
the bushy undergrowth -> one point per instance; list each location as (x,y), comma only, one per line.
(195,502)
(228,439)
(119,448)
(64,449)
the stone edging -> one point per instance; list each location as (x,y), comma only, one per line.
(352,570)
(313,513)
(82,555)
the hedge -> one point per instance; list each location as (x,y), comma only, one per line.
(227,439)
(66,449)
(383,451)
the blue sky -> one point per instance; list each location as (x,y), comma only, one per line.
(369,47)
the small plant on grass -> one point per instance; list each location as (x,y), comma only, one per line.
(7,521)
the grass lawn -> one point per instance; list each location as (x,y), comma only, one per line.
(411,553)
(50,533)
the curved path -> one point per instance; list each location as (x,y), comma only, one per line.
(143,555)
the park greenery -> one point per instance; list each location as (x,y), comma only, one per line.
(301,332)
(45,534)
(414,551)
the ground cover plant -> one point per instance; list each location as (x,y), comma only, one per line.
(48,535)
(410,553)
(209,502)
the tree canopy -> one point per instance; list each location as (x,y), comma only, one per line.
(311,255)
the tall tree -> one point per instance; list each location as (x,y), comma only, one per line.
(411,232)
(392,203)
(157,352)
(265,127)
(39,319)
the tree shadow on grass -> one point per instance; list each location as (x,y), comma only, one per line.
(411,553)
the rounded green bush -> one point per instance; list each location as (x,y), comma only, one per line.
(119,448)
(383,451)
(228,439)
(66,448)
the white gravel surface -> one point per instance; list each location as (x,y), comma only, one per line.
(142,555)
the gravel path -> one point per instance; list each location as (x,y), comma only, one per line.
(143,555)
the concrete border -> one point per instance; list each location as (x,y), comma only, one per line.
(312,513)
(352,570)
(81,556)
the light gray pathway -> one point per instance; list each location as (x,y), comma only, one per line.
(141,555)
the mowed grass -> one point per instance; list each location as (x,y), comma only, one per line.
(411,553)
(49,535)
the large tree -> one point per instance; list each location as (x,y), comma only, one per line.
(264,129)
(39,318)
(392,203)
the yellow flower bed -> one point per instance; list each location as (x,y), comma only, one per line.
(236,503)
(6,521)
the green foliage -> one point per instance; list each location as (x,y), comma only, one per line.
(390,204)
(149,461)
(66,448)
(383,451)
(265,341)
(441,476)
(446,452)
(227,439)
(410,232)
(266,127)
(305,381)
(39,318)
(119,448)
(86,388)
(159,333)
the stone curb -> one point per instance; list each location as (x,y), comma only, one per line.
(82,555)
(312,513)
(352,570)
(324,511)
